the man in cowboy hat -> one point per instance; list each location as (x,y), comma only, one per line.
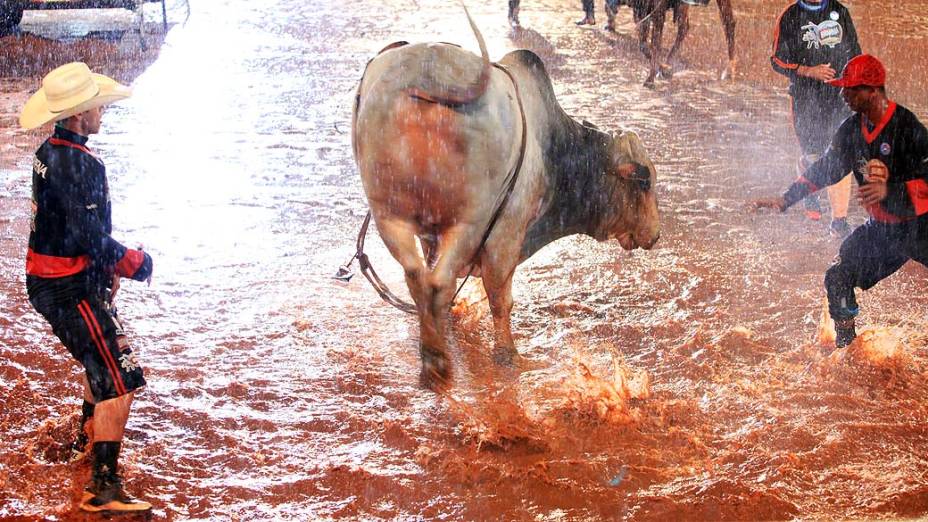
(886,148)
(73,265)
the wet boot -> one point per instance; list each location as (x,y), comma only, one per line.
(105,491)
(845,332)
(812,207)
(82,439)
(79,446)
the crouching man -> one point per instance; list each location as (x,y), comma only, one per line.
(73,265)
(886,148)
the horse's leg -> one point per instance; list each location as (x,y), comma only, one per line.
(727,15)
(657,33)
(643,24)
(681,17)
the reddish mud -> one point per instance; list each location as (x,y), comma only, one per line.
(681,383)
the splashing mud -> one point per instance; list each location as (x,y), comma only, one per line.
(682,383)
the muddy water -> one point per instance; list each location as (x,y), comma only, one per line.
(680,383)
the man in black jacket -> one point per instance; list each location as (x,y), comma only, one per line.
(886,148)
(73,265)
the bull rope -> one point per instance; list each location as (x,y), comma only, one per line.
(344,272)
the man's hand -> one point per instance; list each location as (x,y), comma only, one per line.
(777,203)
(822,72)
(114,287)
(141,248)
(872,193)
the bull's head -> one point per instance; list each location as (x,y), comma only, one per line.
(632,175)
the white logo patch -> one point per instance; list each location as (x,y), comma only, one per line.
(128,361)
(833,15)
(828,33)
(39,168)
(885,149)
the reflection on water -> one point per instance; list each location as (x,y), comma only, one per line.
(686,382)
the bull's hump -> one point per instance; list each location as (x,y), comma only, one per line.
(434,67)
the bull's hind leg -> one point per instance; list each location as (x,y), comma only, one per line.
(497,281)
(456,245)
(400,237)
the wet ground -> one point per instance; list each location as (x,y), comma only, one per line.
(681,383)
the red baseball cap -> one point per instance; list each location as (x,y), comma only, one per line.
(863,69)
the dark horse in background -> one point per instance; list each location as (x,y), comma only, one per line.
(650,16)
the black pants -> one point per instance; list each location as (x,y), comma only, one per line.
(90,331)
(815,120)
(873,252)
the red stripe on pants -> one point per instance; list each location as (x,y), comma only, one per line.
(96,334)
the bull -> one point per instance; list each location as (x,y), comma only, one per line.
(472,167)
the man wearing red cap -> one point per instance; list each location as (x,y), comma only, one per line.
(813,40)
(886,148)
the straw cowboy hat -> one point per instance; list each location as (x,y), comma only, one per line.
(68,90)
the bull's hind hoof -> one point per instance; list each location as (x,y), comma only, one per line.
(505,355)
(436,369)
(649,83)
(666,71)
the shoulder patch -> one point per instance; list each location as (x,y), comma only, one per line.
(39,168)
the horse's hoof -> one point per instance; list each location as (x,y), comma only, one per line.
(436,369)
(728,73)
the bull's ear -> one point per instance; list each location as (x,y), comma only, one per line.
(635,172)
(626,170)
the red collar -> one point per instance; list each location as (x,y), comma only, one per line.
(887,115)
(66,143)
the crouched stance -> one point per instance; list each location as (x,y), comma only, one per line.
(886,148)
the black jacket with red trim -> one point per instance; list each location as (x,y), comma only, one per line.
(900,141)
(71,221)
(810,35)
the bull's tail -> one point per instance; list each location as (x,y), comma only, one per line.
(460,95)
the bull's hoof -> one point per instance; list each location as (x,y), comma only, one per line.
(505,355)
(436,369)
(649,83)
(666,71)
